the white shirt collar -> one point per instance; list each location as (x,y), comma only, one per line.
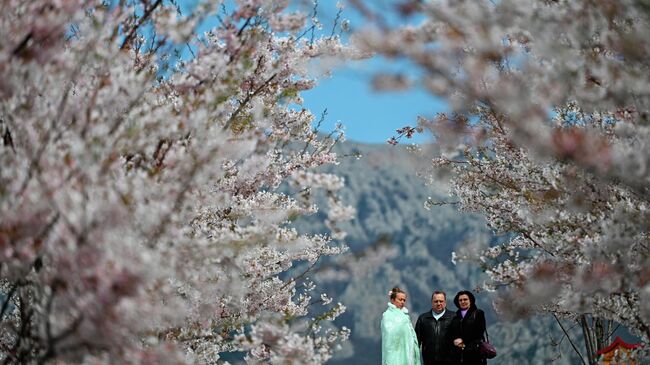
(437,316)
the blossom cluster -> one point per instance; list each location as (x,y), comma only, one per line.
(141,220)
(548,138)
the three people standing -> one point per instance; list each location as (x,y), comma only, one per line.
(446,338)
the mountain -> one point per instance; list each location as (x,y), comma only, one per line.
(389,198)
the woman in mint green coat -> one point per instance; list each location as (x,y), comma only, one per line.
(399,345)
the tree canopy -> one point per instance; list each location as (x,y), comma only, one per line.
(548,138)
(141,216)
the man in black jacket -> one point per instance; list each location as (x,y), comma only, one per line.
(432,331)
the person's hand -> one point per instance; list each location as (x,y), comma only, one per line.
(459,343)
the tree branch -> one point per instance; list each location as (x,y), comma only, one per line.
(566,334)
(248,98)
(141,20)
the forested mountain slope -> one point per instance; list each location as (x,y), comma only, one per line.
(389,199)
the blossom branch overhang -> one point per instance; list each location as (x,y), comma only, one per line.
(122,166)
(578,189)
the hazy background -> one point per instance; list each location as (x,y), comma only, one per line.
(389,198)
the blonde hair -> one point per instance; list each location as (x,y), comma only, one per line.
(392,294)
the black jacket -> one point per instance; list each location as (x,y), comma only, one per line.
(433,338)
(470,329)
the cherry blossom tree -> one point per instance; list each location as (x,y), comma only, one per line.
(548,137)
(141,220)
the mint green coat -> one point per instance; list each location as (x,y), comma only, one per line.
(399,345)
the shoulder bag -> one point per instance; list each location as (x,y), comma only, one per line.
(486,349)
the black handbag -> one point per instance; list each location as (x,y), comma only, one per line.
(486,349)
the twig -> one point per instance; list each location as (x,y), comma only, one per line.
(569,338)
(293,280)
(246,100)
(336,21)
(141,20)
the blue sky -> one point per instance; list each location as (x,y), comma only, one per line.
(368,116)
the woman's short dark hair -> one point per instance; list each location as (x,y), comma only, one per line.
(472,299)
(396,290)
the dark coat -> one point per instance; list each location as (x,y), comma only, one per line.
(433,338)
(470,329)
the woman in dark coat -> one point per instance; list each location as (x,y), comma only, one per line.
(466,330)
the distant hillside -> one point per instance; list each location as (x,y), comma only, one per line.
(389,199)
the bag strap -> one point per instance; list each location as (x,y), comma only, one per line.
(487,336)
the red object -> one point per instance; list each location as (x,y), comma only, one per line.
(618,342)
